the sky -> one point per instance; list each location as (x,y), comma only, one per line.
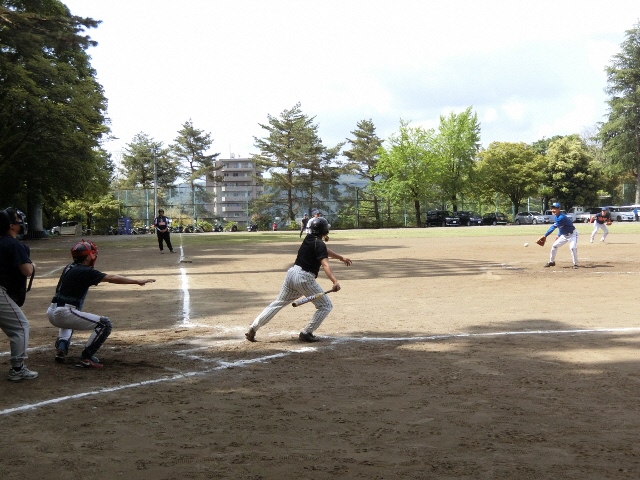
(529,70)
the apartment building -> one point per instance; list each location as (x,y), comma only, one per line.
(231,196)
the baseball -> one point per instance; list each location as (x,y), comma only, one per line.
(526,244)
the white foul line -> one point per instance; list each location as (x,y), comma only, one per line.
(242,363)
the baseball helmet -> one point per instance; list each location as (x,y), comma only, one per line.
(84,248)
(318,226)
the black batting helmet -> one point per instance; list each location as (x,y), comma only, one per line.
(318,226)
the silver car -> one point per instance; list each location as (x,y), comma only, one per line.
(529,218)
(621,214)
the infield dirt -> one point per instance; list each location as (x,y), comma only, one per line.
(450,357)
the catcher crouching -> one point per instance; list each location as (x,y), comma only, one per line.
(566,233)
(65,311)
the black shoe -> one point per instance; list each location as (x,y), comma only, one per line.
(251,335)
(550,264)
(308,337)
(62,347)
(575,267)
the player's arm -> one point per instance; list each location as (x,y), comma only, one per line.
(27,269)
(332,254)
(327,270)
(126,280)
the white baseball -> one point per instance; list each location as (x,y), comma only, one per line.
(526,244)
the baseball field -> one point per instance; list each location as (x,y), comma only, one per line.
(450,353)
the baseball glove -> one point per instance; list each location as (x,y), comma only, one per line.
(541,241)
(609,222)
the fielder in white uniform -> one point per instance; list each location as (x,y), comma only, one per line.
(600,221)
(65,311)
(300,281)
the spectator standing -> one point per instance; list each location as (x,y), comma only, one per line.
(303,224)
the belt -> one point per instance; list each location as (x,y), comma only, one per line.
(62,304)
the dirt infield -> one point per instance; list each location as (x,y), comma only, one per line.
(444,357)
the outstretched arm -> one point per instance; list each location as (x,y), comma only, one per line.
(345,260)
(126,280)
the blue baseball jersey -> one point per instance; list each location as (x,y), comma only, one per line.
(563,224)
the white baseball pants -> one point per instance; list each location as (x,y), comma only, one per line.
(572,238)
(297,283)
(596,226)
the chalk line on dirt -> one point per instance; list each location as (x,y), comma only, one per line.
(334,340)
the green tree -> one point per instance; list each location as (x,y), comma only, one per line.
(363,158)
(190,149)
(51,106)
(572,173)
(621,131)
(189,152)
(141,156)
(408,167)
(458,143)
(510,169)
(298,164)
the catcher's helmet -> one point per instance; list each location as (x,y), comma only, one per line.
(318,226)
(84,248)
(7,218)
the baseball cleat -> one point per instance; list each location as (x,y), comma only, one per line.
(550,264)
(575,267)
(308,337)
(251,335)
(92,362)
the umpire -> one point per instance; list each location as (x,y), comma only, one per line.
(15,267)
(162,230)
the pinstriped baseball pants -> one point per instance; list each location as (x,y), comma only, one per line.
(297,283)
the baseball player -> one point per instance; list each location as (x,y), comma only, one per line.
(15,266)
(303,224)
(301,281)
(65,311)
(601,220)
(567,233)
(162,230)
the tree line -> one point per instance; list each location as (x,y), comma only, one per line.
(53,127)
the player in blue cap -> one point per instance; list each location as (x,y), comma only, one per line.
(566,233)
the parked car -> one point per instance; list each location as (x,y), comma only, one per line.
(529,218)
(468,218)
(578,214)
(67,228)
(494,218)
(621,214)
(443,218)
(551,218)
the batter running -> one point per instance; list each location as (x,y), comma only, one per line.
(301,281)
(65,311)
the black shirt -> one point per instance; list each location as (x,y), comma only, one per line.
(311,253)
(74,283)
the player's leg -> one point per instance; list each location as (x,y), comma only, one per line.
(605,232)
(15,325)
(561,240)
(159,234)
(323,308)
(573,246)
(594,231)
(70,318)
(100,333)
(167,239)
(288,293)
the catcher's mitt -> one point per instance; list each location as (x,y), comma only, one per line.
(541,241)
